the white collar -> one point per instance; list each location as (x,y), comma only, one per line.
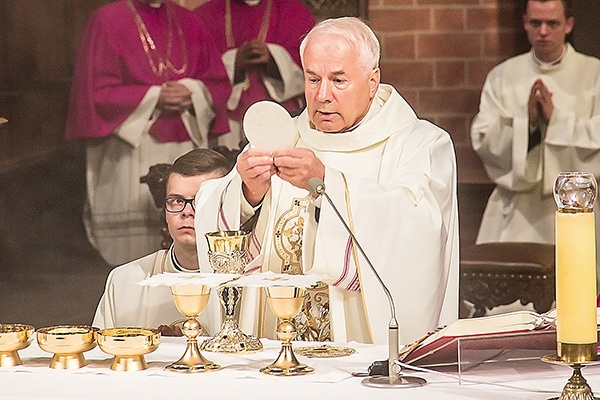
(547,66)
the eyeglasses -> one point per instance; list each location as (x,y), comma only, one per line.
(177,204)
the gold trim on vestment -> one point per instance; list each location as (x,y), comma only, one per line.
(264,26)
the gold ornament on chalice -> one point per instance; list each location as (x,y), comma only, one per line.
(228,254)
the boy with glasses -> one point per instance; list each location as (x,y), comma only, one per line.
(124,302)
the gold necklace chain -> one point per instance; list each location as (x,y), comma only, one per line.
(264,27)
(150,46)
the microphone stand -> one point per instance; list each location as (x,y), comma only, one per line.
(394,379)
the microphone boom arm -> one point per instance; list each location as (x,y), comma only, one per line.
(317,187)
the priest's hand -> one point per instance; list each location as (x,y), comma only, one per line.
(256,168)
(540,105)
(297,166)
(174,97)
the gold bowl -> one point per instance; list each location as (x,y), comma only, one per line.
(68,343)
(13,337)
(128,345)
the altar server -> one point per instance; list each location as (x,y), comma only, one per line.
(124,302)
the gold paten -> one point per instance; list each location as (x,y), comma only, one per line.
(13,337)
(128,345)
(228,254)
(286,302)
(577,387)
(68,343)
(191,301)
(325,351)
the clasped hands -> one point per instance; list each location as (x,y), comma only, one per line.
(540,105)
(294,165)
(174,97)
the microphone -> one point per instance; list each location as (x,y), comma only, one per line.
(317,188)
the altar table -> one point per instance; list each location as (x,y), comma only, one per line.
(240,378)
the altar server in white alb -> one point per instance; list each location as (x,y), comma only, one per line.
(124,302)
(539,115)
(393,177)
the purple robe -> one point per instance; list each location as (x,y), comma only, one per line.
(290,20)
(113,73)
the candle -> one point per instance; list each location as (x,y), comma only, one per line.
(575,193)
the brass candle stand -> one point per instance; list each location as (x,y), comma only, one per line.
(577,387)
(286,303)
(228,254)
(191,301)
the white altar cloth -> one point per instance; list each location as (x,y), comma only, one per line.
(240,378)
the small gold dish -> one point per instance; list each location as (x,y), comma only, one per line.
(128,346)
(324,351)
(68,343)
(13,337)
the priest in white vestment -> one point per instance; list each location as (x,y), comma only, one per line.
(125,302)
(539,115)
(393,178)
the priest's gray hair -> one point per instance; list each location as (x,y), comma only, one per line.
(355,32)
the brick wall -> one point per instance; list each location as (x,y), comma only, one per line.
(437,54)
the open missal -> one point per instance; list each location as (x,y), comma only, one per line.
(515,330)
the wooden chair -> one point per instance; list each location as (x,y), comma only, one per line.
(495,274)
(156,179)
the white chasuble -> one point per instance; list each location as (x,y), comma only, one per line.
(393,179)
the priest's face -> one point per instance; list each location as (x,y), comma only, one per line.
(337,85)
(181,223)
(547,27)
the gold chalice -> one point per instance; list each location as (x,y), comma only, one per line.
(68,343)
(13,337)
(228,254)
(286,303)
(191,301)
(128,345)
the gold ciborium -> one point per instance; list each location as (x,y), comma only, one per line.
(13,337)
(191,301)
(286,303)
(68,343)
(228,254)
(128,345)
